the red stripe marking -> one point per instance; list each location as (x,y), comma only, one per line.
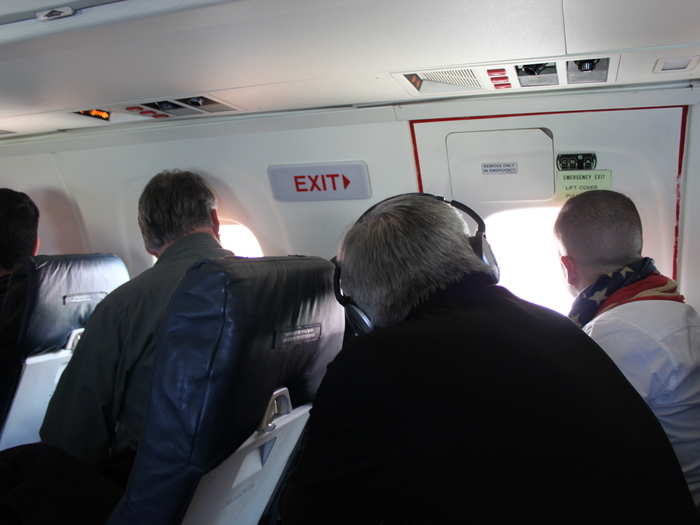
(681,153)
(416,159)
(506,115)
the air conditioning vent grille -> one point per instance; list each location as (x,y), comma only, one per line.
(464,78)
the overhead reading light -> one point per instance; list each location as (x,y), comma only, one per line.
(586,65)
(95,113)
(204,104)
(587,70)
(536,75)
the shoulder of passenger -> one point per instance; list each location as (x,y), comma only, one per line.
(612,324)
(124,294)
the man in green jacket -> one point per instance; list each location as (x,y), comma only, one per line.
(98,411)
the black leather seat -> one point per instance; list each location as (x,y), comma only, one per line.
(236,330)
(59,293)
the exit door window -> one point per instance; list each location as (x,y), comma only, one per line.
(526,250)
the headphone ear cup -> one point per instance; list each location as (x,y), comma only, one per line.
(357,320)
(475,245)
(482,249)
(490,259)
(360,324)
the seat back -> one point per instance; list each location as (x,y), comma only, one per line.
(61,292)
(238,490)
(236,330)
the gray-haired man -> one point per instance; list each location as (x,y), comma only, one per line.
(467,404)
(98,409)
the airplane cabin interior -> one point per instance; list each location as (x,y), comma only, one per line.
(301,115)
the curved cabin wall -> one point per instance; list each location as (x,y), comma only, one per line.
(62,226)
(99,176)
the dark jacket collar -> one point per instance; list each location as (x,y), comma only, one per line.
(183,247)
(467,290)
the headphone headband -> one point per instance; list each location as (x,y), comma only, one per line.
(481,226)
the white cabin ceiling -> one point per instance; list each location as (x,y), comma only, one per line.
(18,18)
(271,55)
(601,25)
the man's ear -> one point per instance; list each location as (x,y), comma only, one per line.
(215,223)
(571,270)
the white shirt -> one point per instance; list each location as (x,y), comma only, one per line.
(656,345)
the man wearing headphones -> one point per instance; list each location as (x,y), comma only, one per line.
(462,403)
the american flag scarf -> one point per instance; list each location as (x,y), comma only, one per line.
(639,281)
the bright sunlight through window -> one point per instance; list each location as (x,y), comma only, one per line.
(240,240)
(526,251)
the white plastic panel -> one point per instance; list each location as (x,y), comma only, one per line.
(597,25)
(639,67)
(501,165)
(238,490)
(39,378)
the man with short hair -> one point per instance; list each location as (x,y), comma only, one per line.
(635,314)
(19,238)
(467,404)
(99,408)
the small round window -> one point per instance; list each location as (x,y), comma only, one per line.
(239,239)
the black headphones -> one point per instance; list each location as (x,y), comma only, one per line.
(358,321)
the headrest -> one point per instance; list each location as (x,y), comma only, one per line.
(236,330)
(62,292)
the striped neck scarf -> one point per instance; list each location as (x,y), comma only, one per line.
(638,281)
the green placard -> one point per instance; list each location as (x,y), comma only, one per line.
(570,183)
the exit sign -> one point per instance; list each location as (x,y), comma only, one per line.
(320,182)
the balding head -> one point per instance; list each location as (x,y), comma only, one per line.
(600,230)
